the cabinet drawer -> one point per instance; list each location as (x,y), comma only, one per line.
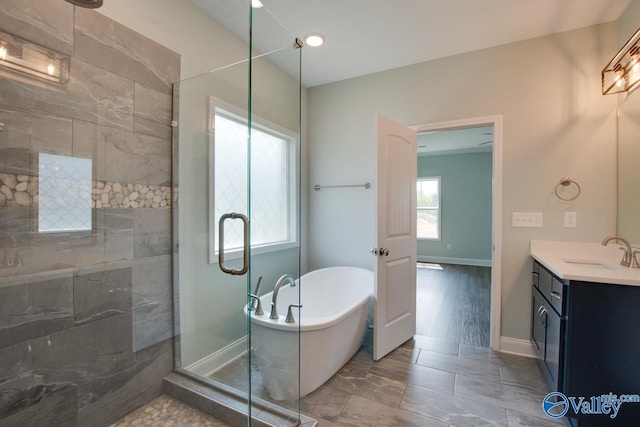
(535,273)
(555,296)
(545,282)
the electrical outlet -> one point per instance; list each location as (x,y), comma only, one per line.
(571,219)
(526,219)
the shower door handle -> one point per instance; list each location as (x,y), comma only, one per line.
(245,249)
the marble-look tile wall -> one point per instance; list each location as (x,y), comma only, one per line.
(85,316)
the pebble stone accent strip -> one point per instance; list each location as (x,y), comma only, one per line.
(107,194)
(165,411)
(22,190)
(18,190)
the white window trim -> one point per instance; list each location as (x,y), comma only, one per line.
(439,181)
(293,168)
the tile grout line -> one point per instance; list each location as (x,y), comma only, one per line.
(455,382)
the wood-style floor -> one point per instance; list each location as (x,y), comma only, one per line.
(453,303)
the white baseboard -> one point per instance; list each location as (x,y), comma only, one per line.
(207,365)
(516,346)
(460,261)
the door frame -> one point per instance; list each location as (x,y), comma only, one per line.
(496,212)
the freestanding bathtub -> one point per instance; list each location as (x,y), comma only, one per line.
(332,323)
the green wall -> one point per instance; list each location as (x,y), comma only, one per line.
(466,208)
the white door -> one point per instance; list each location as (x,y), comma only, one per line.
(395,270)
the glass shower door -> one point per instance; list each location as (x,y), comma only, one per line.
(236,224)
(210,176)
(275,212)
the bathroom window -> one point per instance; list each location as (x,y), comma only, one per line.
(428,203)
(273,213)
(64,201)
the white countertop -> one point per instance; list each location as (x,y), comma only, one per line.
(589,262)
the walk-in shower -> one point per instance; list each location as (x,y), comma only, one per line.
(236,216)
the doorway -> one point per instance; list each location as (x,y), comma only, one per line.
(459,249)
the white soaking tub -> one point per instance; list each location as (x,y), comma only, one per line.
(332,323)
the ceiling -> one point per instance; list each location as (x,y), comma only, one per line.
(456,141)
(367,36)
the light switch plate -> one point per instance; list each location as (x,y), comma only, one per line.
(526,219)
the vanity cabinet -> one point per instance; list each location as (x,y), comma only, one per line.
(545,335)
(587,339)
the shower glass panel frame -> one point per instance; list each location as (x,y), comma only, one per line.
(214,337)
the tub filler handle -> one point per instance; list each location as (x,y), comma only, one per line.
(258,306)
(290,318)
(256,302)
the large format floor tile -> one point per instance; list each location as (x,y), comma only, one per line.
(426,382)
(451,409)
(361,412)
(483,370)
(411,373)
(518,419)
(505,396)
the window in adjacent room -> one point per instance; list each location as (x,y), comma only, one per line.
(428,203)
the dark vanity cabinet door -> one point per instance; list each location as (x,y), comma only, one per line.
(552,353)
(603,348)
(538,327)
(546,331)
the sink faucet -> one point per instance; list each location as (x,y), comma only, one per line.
(628,252)
(281,280)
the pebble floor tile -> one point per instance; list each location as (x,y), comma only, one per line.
(165,411)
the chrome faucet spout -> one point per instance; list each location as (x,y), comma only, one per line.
(626,259)
(279,283)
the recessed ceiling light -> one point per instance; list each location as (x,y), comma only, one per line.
(256,4)
(314,39)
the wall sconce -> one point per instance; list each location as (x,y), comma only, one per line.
(622,73)
(24,57)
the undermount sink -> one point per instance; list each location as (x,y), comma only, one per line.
(589,263)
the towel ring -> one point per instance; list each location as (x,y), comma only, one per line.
(565,182)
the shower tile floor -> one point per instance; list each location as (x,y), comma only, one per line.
(426,382)
(165,411)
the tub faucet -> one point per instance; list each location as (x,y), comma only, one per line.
(257,307)
(290,318)
(628,252)
(256,294)
(281,280)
